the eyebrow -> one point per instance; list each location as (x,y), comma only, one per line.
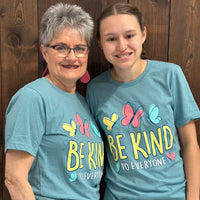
(61,43)
(113,34)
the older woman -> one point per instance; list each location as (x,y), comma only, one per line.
(53,148)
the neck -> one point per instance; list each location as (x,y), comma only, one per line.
(129,74)
(67,86)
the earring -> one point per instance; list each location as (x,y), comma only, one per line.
(86,77)
(45,72)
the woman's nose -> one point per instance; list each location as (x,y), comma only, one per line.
(71,55)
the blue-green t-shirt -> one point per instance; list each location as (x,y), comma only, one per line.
(57,129)
(140,120)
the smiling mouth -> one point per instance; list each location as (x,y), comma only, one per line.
(70,66)
(123,55)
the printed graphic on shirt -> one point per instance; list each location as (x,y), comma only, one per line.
(154,114)
(110,122)
(130,117)
(85,159)
(95,129)
(70,128)
(157,142)
(83,127)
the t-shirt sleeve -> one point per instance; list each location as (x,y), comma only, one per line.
(185,107)
(25,121)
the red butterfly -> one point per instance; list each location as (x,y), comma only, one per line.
(83,128)
(130,117)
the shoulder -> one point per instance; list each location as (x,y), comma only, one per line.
(99,81)
(31,89)
(165,69)
(40,85)
(100,78)
(164,65)
(26,96)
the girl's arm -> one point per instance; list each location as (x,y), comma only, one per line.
(18,164)
(191,158)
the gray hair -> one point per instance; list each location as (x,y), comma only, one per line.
(61,16)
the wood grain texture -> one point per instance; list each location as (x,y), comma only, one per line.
(106,3)
(184,43)
(1,96)
(19,46)
(156,17)
(1,172)
(1,111)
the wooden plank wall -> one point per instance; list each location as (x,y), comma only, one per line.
(173,35)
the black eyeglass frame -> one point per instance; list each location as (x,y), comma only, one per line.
(69,49)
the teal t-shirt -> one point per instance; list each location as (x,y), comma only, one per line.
(140,120)
(58,130)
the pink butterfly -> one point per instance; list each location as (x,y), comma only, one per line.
(83,128)
(130,117)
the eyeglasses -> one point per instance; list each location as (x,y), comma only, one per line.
(80,51)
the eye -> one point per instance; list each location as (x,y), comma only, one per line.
(60,48)
(112,39)
(129,36)
(81,48)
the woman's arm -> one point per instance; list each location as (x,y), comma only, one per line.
(18,164)
(191,157)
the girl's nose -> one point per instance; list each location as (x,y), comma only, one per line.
(121,45)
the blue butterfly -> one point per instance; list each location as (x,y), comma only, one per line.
(94,128)
(154,114)
(117,167)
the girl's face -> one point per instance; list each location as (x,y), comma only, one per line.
(65,70)
(121,40)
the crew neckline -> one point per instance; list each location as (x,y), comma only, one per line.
(136,81)
(58,89)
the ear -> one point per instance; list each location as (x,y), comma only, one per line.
(144,34)
(43,51)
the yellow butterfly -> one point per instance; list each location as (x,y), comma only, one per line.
(71,128)
(110,122)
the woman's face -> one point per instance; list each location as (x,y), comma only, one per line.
(121,40)
(65,71)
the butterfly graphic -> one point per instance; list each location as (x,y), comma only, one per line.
(83,128)
(153,114)
(71,128)
(117,167)
(130,117)
(94,128)
(110,122)
(73,177)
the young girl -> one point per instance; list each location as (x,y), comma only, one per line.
(145,108)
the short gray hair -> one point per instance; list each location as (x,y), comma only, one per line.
(61,16)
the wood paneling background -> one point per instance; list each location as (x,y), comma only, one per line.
(173,35)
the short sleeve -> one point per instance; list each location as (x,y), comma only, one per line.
(185,107)
(25,121)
